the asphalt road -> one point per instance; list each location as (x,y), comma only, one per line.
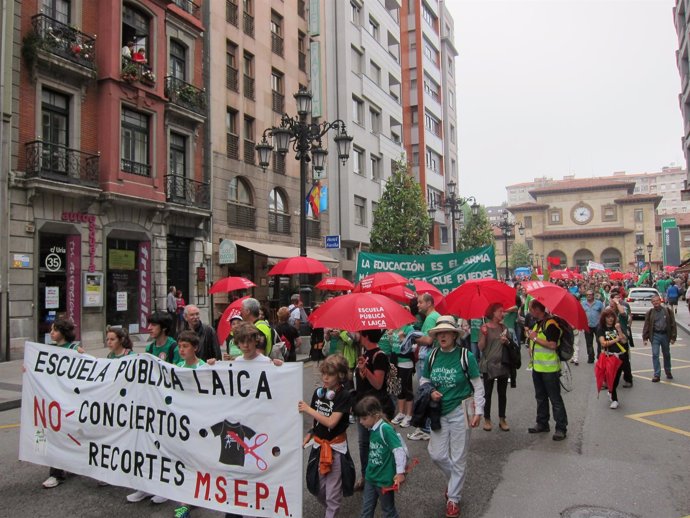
(616,459)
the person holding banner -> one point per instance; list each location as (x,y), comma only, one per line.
(330,407)
(62,334)
(118,342)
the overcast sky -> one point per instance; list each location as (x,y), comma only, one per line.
(557,87)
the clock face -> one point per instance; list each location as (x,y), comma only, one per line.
(582,214)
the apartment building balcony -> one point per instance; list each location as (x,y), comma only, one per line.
(137,72)
(53,44)
(188,7)
(185,191)
(61,164)
(186,96)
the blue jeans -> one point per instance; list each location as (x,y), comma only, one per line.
(661,341)
(372,494)
(547,387)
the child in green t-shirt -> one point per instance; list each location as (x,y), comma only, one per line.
(163,345)
(386,461)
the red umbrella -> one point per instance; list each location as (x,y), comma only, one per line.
(401,294)
(360,311)
(224,322)
(616,276)
(605,370)
(299,264)
(426,287)
(231,284)
(335,284)
(471,299)
(376,281)
(565,275)
(670,268)
(558,301)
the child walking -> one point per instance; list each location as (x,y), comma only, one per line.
(330,408)
(386,460)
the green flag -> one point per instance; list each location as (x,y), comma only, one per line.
(642,278)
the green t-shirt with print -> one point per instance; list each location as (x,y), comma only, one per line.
(112,356)
(199,363)
(449,378)
(381,462)
(475,325)
(163,351)
(68,345)
(385,344)
(429,322)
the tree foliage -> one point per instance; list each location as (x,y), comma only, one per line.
(519,255)
(476,232)
(401,222)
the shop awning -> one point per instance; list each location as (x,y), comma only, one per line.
(277,252)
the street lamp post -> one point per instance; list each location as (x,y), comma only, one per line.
(506,227)
(304,137)
(452,205)
(650,247)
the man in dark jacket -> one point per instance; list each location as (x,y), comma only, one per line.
(208,342)
(660,328)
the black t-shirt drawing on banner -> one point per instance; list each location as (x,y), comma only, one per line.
(341,403)
(231,452)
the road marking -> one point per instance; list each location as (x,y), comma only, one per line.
(4,426)
(652,370)
(642,418)
(649,355)
(671,383)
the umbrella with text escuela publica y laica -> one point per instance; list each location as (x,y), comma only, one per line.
(377,281)
(472,298)
(558,301)
(224,322)
(296,265)
(334,284)
(426,287)
(360,311)
(228,284)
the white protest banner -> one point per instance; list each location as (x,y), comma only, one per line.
(227,437)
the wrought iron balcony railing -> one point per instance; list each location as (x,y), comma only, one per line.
(133,71)
(60,163)
(186,95)
(185,191)
(242,216)
(278,222)
(137,168)
(65,41)
(189,7)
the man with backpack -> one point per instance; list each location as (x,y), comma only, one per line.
(544,338)
(672,296)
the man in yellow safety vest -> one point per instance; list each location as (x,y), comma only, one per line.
(546,371)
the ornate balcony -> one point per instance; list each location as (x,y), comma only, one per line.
(185,191)
(61,164)
(185,95)
(133,72)
(58,39)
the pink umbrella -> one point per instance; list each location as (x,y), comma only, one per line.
(471,299)
(231,284)
(360,311)
(299,264)
(376,281)
(334,284)
(224,322)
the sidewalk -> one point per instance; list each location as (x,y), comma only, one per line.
(11,374)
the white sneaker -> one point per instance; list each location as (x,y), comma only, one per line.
(613,405)
(406,422)
(51,482)
(158,499)
(398,418)
(137,496)
(418,435)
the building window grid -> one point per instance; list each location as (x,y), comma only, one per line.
(232,141)
(277,89)
(248,18)
(135,143)
(355,13)
(231,11)
(357,111)
(276,34)
(249,142)
(556,216)
(302,51)
(375,164)
(360,205)
(278,215)
(375,119)
(249,76)
(358,160)
(639,215)
(374,28)
(231,73)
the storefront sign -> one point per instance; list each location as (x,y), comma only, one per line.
(93,290)
(54,261)
(52,300)
(227,252)
(73,293)
(214,441)
(121,301)
(83,217)
(445,271)
(120,259)
(670,236)
(144,285)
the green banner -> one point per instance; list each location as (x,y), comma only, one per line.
(445,271)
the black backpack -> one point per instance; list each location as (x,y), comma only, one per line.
(566,342)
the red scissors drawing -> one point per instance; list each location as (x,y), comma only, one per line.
(259,440)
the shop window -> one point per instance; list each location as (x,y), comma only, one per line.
(128,262)
(52,282)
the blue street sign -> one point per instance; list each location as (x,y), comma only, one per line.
(641,264)
(332,241)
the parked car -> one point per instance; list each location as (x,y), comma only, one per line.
(640,300)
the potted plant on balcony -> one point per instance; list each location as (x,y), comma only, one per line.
(188,94)
(147,76)
(129,72)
